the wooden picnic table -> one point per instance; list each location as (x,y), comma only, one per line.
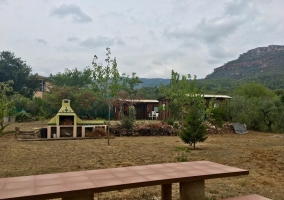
(83,184)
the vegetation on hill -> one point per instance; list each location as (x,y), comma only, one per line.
(257,101)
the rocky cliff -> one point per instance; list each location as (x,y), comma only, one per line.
(256,62)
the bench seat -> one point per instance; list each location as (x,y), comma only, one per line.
(248,197)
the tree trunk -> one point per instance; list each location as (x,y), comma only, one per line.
(108,124)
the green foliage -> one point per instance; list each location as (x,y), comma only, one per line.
(72,78)
(194,129)
(261,114)
(182,157)
(148,93)
(182,93)
(23,116)
(251,90)
(107,81)
(6,106)
(12,68)
(217,112)
(128,121)
(169,121)
(185,149)
(130,83)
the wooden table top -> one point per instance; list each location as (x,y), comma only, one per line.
(102,180)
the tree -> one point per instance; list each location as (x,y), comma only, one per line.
(12,68)
(251,90)
(194,129)
(107,81)
(5,104)
(82,99)
(73,78)
(182,93)
(128,121)
(130,83)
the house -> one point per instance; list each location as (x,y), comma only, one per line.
(143,108)
(43,86)
(164,103)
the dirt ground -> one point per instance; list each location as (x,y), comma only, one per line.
(261,153)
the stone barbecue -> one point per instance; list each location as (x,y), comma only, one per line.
(67,124)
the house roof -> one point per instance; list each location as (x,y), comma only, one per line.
(140,100)
(217,96)
(210,96)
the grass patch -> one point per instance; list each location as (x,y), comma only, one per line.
(260,153)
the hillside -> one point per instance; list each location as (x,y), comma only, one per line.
(259,62)
(263,65)
(152,82)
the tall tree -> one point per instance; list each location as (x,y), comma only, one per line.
(194,129)
(5,104)
(131,83)
(181,93)
(107,81)
(72,78)
(12,68)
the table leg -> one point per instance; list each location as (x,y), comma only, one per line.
(192,190)
(83,197)
(166,192)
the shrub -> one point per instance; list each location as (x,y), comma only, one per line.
(128,122)
(194,129)
(22,116)
(169,121)
(218,115)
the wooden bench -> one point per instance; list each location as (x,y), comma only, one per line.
(248,197)
(83,184)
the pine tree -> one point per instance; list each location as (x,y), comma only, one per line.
(194,129)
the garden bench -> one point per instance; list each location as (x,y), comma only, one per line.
(248,197)
(83,184)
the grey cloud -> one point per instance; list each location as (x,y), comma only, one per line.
(157,62)
(120,41)
(209,31)
(129,62)
(72,39)
(75,11)
(41,41)
(215,31)
(3,2)
(152,35)
(100,41)
(115,15)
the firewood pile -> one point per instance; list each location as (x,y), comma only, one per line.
(213,129)
(164,130)
(96,132)
(145,130)
(66,121)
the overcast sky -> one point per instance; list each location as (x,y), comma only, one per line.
(149,37)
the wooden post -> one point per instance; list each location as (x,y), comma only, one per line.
(192,190)
(166,192)
(17,130)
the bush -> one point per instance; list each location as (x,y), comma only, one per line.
(218,115)
(169,121)
(22,116)
(128,122)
